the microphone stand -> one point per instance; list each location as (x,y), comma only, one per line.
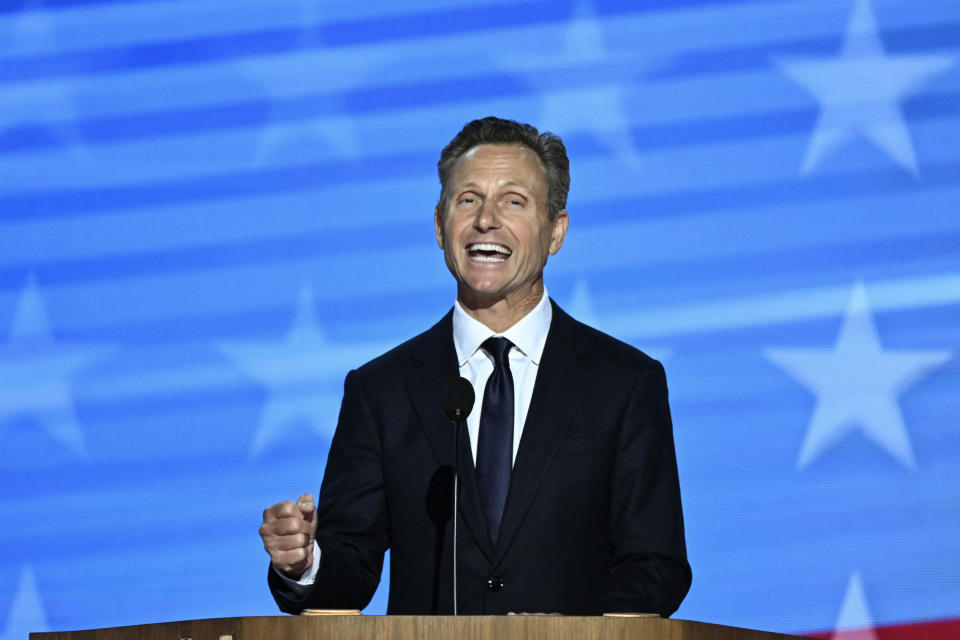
(457,423)
(457,404)
(456,503)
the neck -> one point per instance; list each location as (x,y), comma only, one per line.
(499,313)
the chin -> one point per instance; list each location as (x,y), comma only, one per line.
(484,285)
(485,292)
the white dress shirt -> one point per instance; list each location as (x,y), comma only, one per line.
(528,335)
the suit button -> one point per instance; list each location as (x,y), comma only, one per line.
(495,584)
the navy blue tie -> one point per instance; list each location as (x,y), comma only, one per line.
(495,441)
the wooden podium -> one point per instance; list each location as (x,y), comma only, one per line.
(421,628)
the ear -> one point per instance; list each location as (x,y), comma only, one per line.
(438,223)
(559,231)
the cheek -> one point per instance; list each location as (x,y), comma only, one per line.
(448,234)
(455,226)
(546,239)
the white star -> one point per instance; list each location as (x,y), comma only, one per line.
(26,614)
(298,373)
(860,91)
(854,621)
(308,79)
(856,384)
(596,108)
(36,372)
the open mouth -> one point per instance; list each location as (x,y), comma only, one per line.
(488,252)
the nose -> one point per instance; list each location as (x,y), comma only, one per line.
(488,217)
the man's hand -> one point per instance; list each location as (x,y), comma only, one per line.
(288,530)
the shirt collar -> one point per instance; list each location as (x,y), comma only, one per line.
(528,335)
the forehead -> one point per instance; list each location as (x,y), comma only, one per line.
(500,163)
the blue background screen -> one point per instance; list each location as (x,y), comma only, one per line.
(211,210)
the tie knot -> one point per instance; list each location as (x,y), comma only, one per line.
(498,348)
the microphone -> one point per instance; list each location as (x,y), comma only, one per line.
(458,399)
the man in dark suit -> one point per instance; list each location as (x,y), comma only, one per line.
(569,497)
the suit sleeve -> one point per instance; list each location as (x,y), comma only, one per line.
(351,514)
(649,571)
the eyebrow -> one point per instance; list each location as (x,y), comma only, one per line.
(511,183)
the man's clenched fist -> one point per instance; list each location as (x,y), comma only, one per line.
(288,530)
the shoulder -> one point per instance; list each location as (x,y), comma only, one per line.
(601,351)
(413,353)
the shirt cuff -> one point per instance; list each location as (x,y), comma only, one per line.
(301,587)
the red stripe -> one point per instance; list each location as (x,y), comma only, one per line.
(939,630)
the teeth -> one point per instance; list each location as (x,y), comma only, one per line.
(489,258)
(488,246)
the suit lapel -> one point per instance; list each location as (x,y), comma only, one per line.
(557,395)
(426,385)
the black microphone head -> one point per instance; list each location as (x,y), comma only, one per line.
(458,398)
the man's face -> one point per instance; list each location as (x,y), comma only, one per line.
(496,233)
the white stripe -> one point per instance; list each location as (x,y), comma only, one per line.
(895,294)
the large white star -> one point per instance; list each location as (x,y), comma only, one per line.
(36,372)
(26,614)
(598,107)
(305,87)
(856,384)
(298,373)
(860,91)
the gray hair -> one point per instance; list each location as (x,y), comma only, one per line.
(490,130)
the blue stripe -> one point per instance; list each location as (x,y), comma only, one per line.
(929,40)
(151,125)
(62,202)
(78,201)
(16,6)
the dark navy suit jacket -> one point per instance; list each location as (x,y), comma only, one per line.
(592,523)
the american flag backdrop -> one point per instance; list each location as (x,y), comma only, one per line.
(211,210)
